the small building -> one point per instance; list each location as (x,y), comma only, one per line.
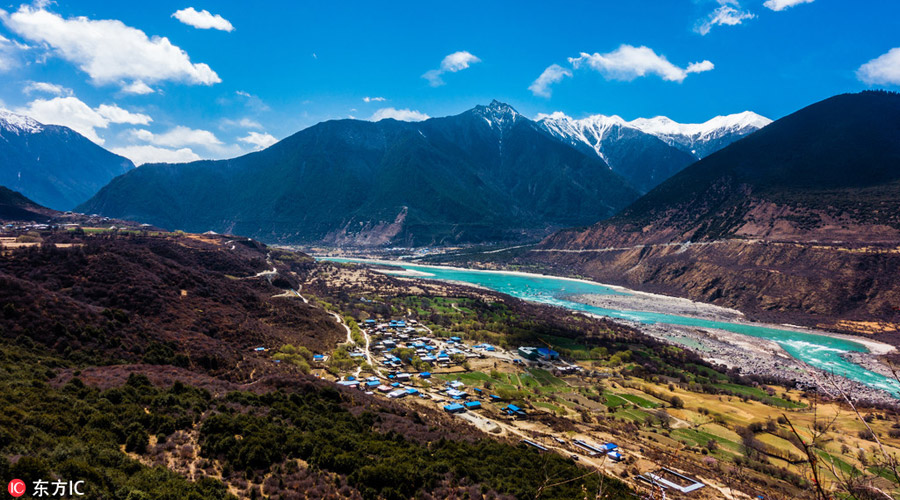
(473,405)
(495,398)
(456,394)
(425,375)
(547,354)
(528,353)
(615,456)
(536,445)
(513,411)
(454,408)
(592,449)
(399,393)
(669,479)
(411,391)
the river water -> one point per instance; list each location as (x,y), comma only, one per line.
(820,351)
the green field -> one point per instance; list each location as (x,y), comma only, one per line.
(760,394)
(643,403)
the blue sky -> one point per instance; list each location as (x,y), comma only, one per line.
(156,85)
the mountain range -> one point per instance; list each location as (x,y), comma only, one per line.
(649,151)
(51,164)
(488,174)
(829,172)
(798,222)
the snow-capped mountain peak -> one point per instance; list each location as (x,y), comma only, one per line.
(662,126)
(697,139)
(498,114)
(591,131)
(17,123)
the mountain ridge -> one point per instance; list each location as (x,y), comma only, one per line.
(486,174)
(789,181)
(52,164)
(649,151)
(797,223)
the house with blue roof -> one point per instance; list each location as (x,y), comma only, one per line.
(547,354)
(454,408)
(514,411)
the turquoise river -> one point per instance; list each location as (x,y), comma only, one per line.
(820,351)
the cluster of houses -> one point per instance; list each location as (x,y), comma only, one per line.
(406,334)
(394,387)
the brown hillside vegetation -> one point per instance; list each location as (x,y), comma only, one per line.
(183,301)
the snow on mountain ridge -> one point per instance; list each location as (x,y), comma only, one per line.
(663,126)
(699,139)
(498,113)
(16,123)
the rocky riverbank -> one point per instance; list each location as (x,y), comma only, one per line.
(631,300)
(756,356)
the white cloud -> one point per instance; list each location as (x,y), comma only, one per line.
(242,123)
(259,140)
(202,20)
(252,101)
(883,70)
(137,87)
(46,88)
(553,74)
(727,14)
(107,50)
(404,115)
(452,63)
(779,5)
(75,114)
(152,154)
(6,61)
(628,62)
(178,137)
(374,99)
(116,114)
(700,67)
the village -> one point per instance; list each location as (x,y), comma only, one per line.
(402,359)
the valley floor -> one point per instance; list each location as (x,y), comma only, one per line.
(748,354)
